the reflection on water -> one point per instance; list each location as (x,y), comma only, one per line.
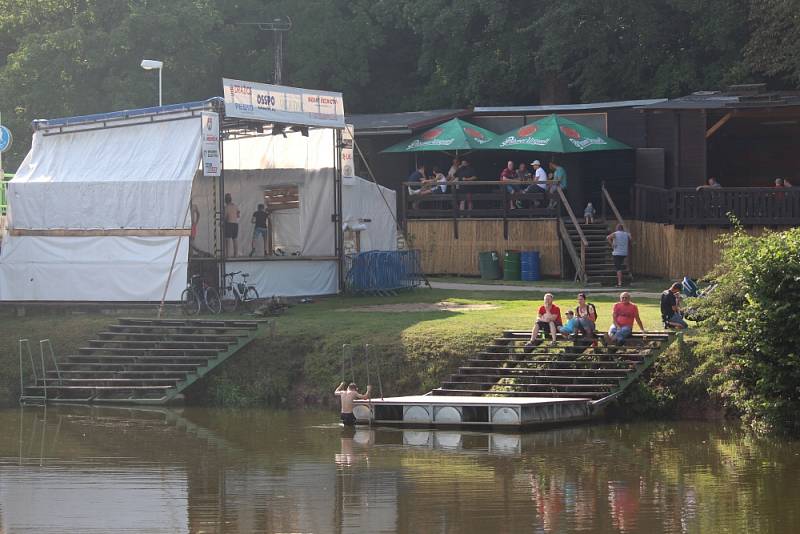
(80,469)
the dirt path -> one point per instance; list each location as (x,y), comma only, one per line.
(541,289)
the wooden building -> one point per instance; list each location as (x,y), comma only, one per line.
(745,137)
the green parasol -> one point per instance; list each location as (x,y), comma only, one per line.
(555,134)
(452,135)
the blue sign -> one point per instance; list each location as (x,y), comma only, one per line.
(5,138)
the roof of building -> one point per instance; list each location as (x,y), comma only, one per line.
(400,123)
(736,97)
(555,108)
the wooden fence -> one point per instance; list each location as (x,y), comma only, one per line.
(668,252)
(443,253)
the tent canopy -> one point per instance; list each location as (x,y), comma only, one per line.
(96,213)
(454,134)
(557,134)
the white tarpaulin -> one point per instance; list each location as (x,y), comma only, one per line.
(126,179)
(363,206)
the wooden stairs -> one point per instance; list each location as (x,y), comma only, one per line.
(599,263)
(572,368)
(141,361)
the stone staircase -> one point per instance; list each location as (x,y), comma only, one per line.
(599,263)
(572,368)
(141,361)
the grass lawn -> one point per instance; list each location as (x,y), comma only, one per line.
(303,362)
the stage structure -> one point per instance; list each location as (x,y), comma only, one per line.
(102,207)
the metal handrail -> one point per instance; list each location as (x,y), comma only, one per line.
(607,198)
(42,343)
(584,241)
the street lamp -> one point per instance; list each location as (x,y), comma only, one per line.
(150,64)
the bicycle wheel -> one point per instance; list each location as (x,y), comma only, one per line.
(251,298)
(229,300)
(213,303)
(189,302)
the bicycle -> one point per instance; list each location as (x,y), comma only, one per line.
(235,293)
(197,293)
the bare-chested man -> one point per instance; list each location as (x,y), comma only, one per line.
(231,226)
(347,397)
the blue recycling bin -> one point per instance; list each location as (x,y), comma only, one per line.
(530,265)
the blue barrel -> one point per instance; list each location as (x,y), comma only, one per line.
(529,262)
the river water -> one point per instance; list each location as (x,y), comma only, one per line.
(84,470)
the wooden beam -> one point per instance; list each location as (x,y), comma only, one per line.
(719,124)
(113,232)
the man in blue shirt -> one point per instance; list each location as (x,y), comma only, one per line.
(417,176)
(559,175)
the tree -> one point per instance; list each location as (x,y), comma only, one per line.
(753,351)
(774,45)
(79,57)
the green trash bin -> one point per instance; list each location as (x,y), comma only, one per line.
(489,265)
(511,265)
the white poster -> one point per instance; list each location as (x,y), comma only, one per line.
(348,165)
(212,163)
(280,104)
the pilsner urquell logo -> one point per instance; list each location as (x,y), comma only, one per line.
(431,134)
(476,135)
(429,139)
(572,133)
(527,130)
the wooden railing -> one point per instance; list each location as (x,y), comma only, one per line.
(478,199)
(578,262)
(608,203)
(712,206)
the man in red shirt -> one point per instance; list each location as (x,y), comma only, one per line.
(549,317)
(623,316)
(509,173)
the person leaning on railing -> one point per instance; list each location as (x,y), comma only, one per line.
(466,173)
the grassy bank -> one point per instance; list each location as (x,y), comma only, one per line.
(302,363)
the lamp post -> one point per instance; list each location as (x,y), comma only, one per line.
(150,64)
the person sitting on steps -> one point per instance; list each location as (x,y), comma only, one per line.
(549,318)
(624,314)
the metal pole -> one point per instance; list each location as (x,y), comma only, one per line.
(159,85)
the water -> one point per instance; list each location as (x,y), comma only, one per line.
(85,470)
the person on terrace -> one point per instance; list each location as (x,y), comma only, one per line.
(548,319)
(624,314)
(560,176)
(347,395)
(466,173)
(508,173)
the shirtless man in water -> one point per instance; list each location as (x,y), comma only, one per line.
(347,397)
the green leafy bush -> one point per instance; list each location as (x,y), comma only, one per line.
(752,359)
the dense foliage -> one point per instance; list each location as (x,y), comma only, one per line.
(751,353)
(66,57)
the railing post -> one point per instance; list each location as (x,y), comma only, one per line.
(603,199)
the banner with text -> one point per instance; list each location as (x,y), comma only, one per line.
(348,167)
(212,163)
(283,105)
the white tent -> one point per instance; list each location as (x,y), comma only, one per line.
(96,213)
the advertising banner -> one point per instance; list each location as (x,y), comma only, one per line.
(348,166)
(212,163)
(280,104)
